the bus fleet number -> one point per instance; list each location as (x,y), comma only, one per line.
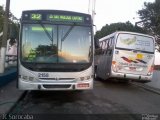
(43,75)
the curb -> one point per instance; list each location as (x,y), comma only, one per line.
(9,75)
(147,87)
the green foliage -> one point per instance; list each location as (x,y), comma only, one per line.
(46,50)
(13,28)
(1,18)
(150,16)
(1,22)
(108,29)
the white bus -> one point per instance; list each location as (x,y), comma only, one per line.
(55,51)
(125,56)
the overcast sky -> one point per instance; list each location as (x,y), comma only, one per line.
(107,11)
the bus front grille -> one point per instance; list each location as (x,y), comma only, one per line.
(57,78)
(56,86)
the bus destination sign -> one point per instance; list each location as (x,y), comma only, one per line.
(55,17)
(36,16)
(68,18)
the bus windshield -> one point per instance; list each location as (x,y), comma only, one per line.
(135,42)
(55,43)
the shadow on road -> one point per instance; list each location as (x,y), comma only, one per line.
(59,96)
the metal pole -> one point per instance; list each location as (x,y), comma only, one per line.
(93,9)
(88,6)
(4,39)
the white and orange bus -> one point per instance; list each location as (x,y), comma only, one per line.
(126,56)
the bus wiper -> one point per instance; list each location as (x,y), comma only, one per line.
(67,33)
(46,31)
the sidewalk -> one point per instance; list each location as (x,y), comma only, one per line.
(155,82)
(154,85)
(8,75)
(9,94)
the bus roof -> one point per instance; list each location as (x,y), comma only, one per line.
(124,32)
(56,16)
(55,11)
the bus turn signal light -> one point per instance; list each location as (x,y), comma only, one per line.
(151,69)
(113,62)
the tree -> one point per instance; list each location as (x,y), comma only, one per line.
(1,18)
(108,29)
(150,16)
(12,24)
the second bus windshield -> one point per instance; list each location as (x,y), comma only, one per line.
(135,42)
(55,43)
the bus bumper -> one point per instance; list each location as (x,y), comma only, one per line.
(54,85)
(133,77)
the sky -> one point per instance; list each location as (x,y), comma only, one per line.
(106,11)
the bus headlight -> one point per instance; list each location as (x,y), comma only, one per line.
(151,69)
(114,66)
(84,78)
(26,78)
(149,73)
(31,78)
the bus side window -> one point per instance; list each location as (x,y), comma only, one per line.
(100,44)
(108,52)
(104,44)
(105,47)
(98,51)
(110,43)
(109,47)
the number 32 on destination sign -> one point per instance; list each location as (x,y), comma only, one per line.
(36,16)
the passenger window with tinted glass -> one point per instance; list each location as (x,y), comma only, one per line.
(109,52)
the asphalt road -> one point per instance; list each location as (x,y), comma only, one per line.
(108,100)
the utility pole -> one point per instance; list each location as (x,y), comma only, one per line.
(4,38)
(93,9)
